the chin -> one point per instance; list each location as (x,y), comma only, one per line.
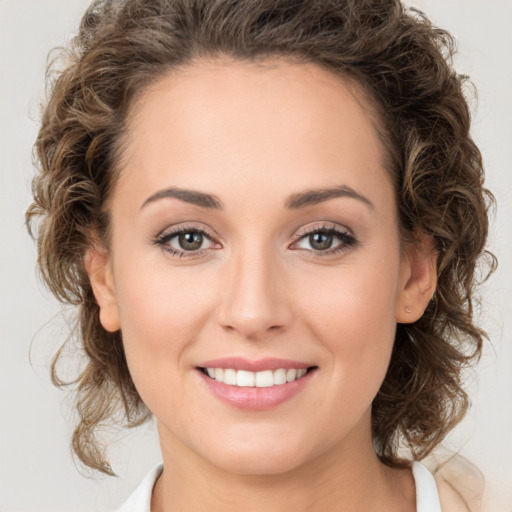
(266,458)
(260,465)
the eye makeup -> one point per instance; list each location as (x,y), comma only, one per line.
(192,241)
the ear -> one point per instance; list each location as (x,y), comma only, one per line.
(418,278)
(99,269)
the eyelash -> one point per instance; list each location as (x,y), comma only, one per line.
(165,237)
(347,240)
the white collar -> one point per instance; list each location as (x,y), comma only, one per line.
(427,497)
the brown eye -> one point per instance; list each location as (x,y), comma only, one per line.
(320,241)
(191,241)
(325,241)
(185,242)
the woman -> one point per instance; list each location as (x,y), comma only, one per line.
(270,215)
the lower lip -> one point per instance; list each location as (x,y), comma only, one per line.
(253,398)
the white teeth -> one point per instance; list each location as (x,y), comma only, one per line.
(280,376)
(263,379)
(244,379)
(229,377)
(291,374)
(219,374)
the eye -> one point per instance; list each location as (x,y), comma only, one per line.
(320,241)
(185,241)
(326,240)
(191,241)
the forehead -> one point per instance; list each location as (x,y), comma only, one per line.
(276,119)
(196,90)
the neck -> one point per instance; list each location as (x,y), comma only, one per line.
(339,480)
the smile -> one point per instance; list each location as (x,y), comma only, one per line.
(262,379)
(255,385)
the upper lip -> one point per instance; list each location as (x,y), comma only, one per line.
(254,365)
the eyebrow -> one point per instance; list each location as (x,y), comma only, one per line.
(294,202)
(312,197)
(189,196)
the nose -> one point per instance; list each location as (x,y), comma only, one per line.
(254,301)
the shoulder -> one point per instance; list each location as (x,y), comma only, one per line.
(140,499)
(450,499)
(459,483)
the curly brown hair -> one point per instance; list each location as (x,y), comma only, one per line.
(402,63)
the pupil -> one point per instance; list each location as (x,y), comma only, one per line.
(190,241)
(320,241)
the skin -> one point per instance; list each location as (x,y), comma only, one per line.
(252,136)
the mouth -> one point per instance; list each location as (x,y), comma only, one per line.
(259,379)
(255,385)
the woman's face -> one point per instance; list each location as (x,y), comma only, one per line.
(254,235)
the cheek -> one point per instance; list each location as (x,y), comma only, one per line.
(353,300)
(162,313)
(352,315)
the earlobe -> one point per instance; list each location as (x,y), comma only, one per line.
(418,278)
(98,267)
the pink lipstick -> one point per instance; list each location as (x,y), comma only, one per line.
(255,384)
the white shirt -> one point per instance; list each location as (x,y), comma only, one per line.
(427,497)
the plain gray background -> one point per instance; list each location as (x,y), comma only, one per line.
(36,469)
